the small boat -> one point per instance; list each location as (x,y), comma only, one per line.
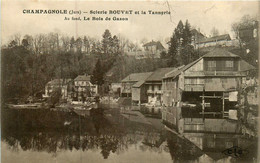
(86,109)
(83,111)
(25,106)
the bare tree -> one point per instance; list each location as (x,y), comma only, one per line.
(214,32)
(123,42)
(16,38)
(143,41)
(65,41)
(245,22)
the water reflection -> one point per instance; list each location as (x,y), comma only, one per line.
(113,135)
(214,145)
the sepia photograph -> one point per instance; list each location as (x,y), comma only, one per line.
(160,81)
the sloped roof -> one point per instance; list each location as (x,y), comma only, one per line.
(158,44)
(58,81)
(152,43)
(159,74)
(219,52)
(82,78)
(173,74)
(216,38)
(196,32)
(139,84)
(244,66)
(135,77)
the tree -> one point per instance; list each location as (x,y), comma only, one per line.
(30,41)
(163,55)
(93,49)
(72,43)
(131,47)
(17,71)
(173,49)
(214,32)
(115,44)
(106,41)
(17,38)
(144,41)
(25,43)
(86,44)
(78,43)
(248,44)
(187,54)
(179,31)
(97,76)
(245,22)
(65,43)
(54,97)
(13,43)
(187,34)
(180,49)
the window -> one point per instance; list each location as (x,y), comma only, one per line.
(229,64)
(211,63)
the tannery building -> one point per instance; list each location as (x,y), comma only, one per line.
(202,95)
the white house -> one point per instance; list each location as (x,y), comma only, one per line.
(83,87)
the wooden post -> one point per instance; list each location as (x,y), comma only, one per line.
(223,105)
(203,105)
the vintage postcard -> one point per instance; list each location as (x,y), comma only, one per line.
(129,81)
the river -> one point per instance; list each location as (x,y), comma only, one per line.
(116,135)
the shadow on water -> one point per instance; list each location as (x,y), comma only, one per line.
(46,130)
(105,132)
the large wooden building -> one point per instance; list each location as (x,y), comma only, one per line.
(202,95)
(132,79)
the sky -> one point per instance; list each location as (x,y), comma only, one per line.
(203,15)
